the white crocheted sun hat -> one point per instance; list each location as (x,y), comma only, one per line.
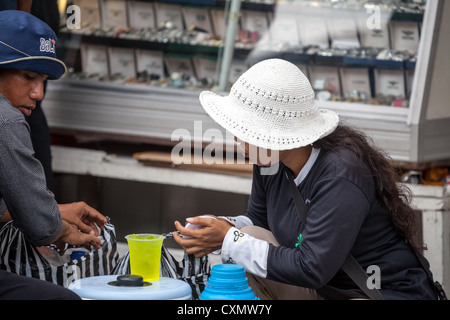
(271,106)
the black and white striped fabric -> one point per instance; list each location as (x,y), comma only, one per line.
(194,271)
(18,255)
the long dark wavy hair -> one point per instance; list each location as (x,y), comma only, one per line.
(396,198)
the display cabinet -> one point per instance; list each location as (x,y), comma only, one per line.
(137,67)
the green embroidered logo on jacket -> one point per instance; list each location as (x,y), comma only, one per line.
(299,240)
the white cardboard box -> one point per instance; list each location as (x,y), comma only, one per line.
(313,31)
(254,21)
(390,82)
(151,61)
(169,12)
(205,67)
(343,32)
(115,13)
(90,12)
(141,15)
(404,36)
(121,61)
(94,59)
(284,29)
(355,79)
(328,76)
(179,64)
(198,17)
(219,22)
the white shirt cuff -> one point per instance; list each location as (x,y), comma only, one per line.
(243,249)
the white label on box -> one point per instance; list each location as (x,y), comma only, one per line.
(390,82)
(179,64)
(198,17)
(169,12)
(405,36)
(121,61)
(374,37)
(254,21)
(313,31)
(328,77)
(115,13)
(219,22)
(150,61)
(343,33)
(355,79)
(90,12)
(141,14)
(94,60)
(284,29)
(205,68)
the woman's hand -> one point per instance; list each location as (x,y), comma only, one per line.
(204,240)
(83,216)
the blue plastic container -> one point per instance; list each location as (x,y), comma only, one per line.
(227,282)
(77,254)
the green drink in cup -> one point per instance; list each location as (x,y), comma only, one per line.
(145,255)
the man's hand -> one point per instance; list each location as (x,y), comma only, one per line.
(70,234)
(83,216)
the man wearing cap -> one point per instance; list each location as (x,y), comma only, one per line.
(27,58)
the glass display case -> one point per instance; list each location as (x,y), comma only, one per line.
(137,67)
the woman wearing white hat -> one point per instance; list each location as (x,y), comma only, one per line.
(354,205)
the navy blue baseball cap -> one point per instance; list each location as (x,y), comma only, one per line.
(28,43)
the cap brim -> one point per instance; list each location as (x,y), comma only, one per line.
(52,67)
(260,131)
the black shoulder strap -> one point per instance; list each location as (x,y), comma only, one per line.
(351,267)
(436,285)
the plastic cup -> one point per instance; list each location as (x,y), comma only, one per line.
(145,255)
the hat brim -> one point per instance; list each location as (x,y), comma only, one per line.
(260,131)
(52,67)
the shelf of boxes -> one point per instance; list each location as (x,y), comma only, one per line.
(150,67)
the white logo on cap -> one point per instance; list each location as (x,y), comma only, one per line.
(48,45)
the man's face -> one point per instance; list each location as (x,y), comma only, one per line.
(22,88)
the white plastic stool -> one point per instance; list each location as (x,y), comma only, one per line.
(106,288)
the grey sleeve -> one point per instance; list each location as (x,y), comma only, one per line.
(22,186)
